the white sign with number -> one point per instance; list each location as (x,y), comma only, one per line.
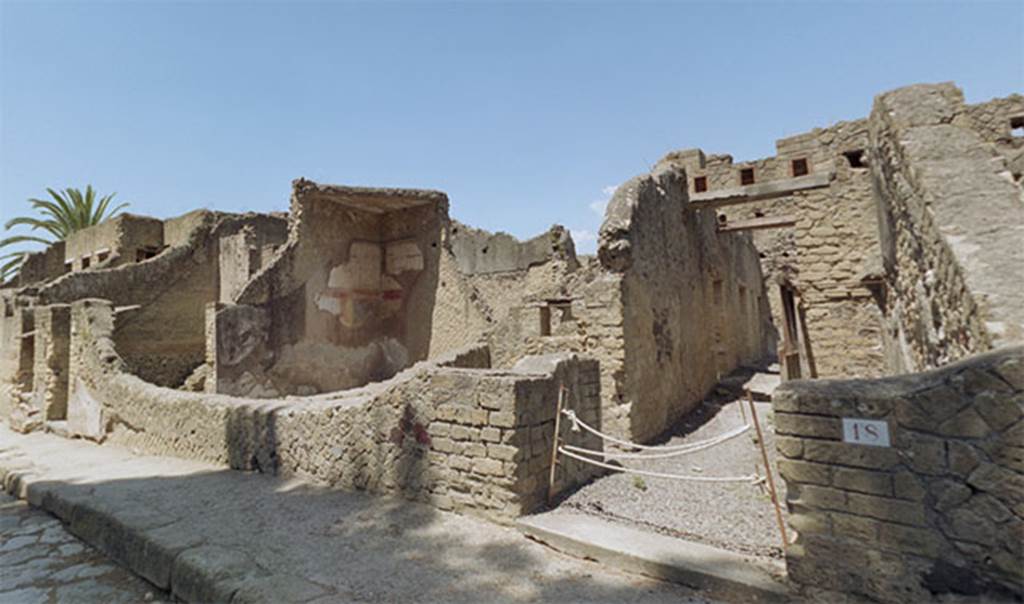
(866,432)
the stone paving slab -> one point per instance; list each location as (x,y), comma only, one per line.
(41,562)
(723,573)
(209,534)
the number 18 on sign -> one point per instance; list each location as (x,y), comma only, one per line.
(866,432)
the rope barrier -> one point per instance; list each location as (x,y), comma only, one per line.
(749,478)
(691,448)
(578,423)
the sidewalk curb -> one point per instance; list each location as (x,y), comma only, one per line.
(718,572)
(185,567)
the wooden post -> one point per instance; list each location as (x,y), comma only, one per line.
(768,472)
(554,444)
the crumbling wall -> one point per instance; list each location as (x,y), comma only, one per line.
(829,256)
(346,301)
(938,509)
(161,319)
(485,276)
(688,301)
(467,439)
(113,242)
(43,266)
(951,219)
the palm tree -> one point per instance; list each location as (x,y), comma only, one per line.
(67,212)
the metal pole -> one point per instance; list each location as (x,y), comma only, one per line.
(768,472)
(554,444)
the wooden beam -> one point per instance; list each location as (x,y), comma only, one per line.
(754,224)
(772,189)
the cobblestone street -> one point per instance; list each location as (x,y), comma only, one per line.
(41,562)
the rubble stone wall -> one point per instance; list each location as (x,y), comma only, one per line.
(951,225)
(941,510)
(472,440)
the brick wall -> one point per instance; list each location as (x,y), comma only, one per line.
(940,510)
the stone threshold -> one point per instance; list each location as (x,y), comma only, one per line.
(716,572)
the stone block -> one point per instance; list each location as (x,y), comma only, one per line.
(911,540)
(962,458)
(925,454)
(501,419)
(885,508)
(490,435)
(491,467)
(863,481)
(948,494)
(906,485)
(855,527)
(503,452)
(801,471)
(1012,370)
(792,448)
(850,455)
(999,411)
(818,497)
(810,522)
(965,424)
(808,425)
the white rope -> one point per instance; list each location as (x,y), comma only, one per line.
(578,423)
(692,447)
(748,478)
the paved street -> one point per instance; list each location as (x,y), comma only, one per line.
(40,561)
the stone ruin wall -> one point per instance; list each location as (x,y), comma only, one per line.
(348,300)
(829,256)
(940,511)
(952,211)
(484,277)
(468,439)
(114,242)
(580,305)
(691,301)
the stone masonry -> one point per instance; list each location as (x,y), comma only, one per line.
(939,511)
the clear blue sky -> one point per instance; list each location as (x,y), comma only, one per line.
(523,113)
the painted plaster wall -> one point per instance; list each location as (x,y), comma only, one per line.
(348,300)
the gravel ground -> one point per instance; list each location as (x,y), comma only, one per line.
(734,516)
(41,562)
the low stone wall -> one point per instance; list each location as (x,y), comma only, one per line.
(940,510)
(466,439)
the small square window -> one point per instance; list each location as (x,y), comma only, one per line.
(855,158)
(799,167)
(1017,125)
(747,176)
(86,261)
(700,184)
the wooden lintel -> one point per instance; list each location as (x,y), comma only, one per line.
(759,192)
(754,224)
